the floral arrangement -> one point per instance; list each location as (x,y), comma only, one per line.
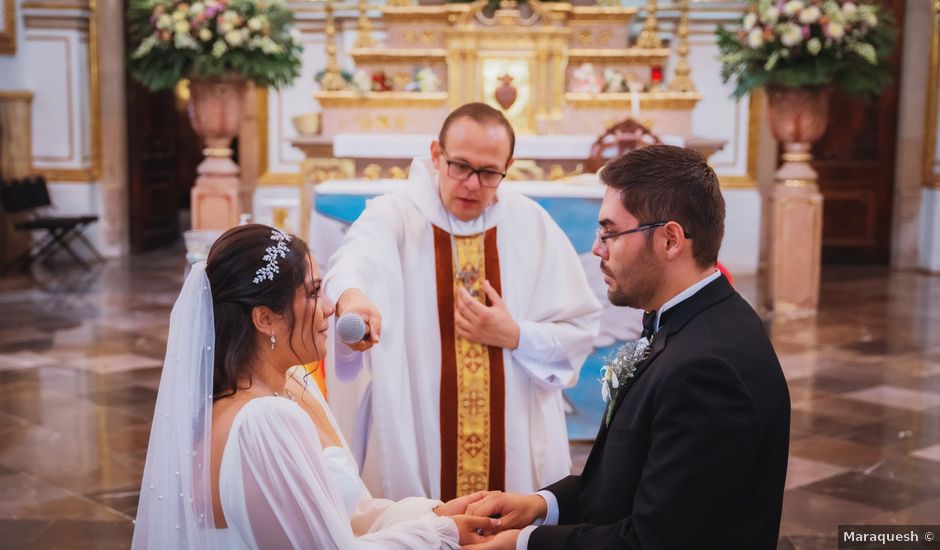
(175,39)
(800,43)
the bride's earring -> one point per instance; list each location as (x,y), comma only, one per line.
(273,340)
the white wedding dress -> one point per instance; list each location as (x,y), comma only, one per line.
(279,488)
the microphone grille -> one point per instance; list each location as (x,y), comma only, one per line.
(350,328)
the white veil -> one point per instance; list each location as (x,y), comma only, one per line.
(175,507)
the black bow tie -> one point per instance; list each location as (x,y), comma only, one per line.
(649,318)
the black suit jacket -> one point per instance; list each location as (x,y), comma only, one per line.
(695,455)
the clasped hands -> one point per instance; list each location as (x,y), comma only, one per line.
(491,520)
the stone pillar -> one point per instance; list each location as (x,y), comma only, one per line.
(796,235)
(16,156)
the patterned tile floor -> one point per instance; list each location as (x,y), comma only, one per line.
(80,363)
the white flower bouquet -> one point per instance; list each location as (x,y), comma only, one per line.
(174,39)
(800,43)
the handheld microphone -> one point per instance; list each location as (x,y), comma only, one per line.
(351,328)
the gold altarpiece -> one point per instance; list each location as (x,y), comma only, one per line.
(545,49)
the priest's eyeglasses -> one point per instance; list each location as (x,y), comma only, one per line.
(462,171)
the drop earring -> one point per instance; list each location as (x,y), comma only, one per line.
(273,340)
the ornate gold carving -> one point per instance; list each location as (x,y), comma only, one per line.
(682,81)
(649,36)
(332,79)
(375,100)
(525,170)
(411,37)
(398,173)
(372,172)
(318,170)
(931,179)
(602,14)
(630,56)
(655,100)
(408,57)
(586,38)
(422,14)
(400,3)
(364,38)
(427,37)
(288,179)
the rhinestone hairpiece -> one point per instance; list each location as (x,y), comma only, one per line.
(271,255)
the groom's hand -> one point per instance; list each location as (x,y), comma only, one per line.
(515,511)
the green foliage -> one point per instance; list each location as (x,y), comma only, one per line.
(801,43)
(172,40)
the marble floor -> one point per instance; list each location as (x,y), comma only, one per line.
(80,358)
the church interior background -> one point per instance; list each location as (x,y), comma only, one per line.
(847,289)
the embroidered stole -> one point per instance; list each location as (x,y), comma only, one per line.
(472,404)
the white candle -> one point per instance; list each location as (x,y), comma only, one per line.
(634,103)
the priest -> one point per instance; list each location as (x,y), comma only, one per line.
(478,312)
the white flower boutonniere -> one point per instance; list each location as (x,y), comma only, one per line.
(621,368)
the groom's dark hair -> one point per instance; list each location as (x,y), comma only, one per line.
(668,183)
(233,260)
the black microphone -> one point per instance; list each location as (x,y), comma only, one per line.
(351,328)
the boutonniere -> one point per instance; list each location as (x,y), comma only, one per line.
(619,369)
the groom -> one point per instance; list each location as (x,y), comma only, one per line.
(694,454)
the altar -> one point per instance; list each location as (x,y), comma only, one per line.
(561,73)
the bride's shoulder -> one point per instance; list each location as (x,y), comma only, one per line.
(240,411)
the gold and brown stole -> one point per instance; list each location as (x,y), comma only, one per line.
(473,441)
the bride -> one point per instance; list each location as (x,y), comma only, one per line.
(242,453)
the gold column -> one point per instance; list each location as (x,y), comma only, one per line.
(364,37)
(649,36)
(682,81)
(332,79)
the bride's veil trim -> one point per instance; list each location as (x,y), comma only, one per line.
(175,507)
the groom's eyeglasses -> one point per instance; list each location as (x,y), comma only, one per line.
(603,237)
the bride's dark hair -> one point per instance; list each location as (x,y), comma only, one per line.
(233,260)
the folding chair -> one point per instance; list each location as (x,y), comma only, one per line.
(31,195)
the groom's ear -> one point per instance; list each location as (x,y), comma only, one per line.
(263,319)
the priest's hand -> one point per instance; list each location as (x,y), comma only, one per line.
(355,301)
(475,529)
(459,505)
(503,541)
(514,510)
(490,325)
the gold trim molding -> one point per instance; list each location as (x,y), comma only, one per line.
(637,56)
(601,14)
(68,175)
(930,179)
(8,36)
(424,14)
(649,100)
(387,56)
(377,100)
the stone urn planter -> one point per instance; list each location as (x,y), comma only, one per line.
(216,107)
(798,117)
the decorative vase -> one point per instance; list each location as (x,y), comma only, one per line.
(216,107)
(506,93)
(798,117)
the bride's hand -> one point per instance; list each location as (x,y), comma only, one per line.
(474,530)
(459,504)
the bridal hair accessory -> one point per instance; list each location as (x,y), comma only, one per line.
(271,255)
